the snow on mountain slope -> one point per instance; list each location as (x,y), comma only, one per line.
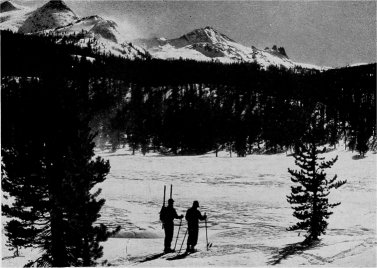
(202,35)
(357,64)
(51,15)
(102,34)
(207,44)
(12,16)
(55,17)
(94,24)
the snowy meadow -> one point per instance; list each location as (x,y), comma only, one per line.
(245,200)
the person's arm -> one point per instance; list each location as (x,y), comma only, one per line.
(176,215)
(187,215)
(201,217)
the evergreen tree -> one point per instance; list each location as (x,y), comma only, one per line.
(49,171)
(18,236)
(309,199)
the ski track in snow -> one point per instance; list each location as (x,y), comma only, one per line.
(245,199)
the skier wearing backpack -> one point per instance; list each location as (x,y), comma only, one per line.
(193,216)
(167,216)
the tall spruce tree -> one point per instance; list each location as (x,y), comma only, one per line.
(49,174)
(309,199)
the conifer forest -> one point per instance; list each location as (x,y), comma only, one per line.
(183,107)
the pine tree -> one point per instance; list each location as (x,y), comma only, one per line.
(309,199)
(49,172)
(18,236)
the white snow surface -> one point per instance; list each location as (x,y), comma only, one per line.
(245,200)
(358,64)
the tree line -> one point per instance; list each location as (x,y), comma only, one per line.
(189,107)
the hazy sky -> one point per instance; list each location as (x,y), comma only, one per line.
(327,33)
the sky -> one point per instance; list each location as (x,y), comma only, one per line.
(326,33)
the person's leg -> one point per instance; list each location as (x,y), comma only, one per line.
(169,229)
(166,241)
(189,240)
(170,236)
(194,240)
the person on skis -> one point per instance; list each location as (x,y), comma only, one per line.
(193,216)
(168,214)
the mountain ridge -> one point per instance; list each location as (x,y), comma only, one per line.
(208,44)
(201,44)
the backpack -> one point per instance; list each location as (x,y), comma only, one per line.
(163,214)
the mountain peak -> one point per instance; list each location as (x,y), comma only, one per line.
(206,34)
(7,6)
(53,14)
(56,5)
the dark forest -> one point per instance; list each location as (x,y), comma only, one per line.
(185,107)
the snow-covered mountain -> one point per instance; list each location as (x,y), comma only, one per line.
(207,44)
(12,16)
(51,15)
(204,44)
(102,34)
(55,17)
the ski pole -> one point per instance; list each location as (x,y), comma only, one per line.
(163,205)
(164,195)
(179,228)
(171,191)
(182,242)
(206,230)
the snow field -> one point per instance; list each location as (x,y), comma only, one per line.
(245,200)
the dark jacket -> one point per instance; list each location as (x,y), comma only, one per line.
(193,216)
(168,215)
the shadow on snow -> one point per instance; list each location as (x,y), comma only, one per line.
(289,250)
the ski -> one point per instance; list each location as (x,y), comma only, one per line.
(154,257)
(180,256)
